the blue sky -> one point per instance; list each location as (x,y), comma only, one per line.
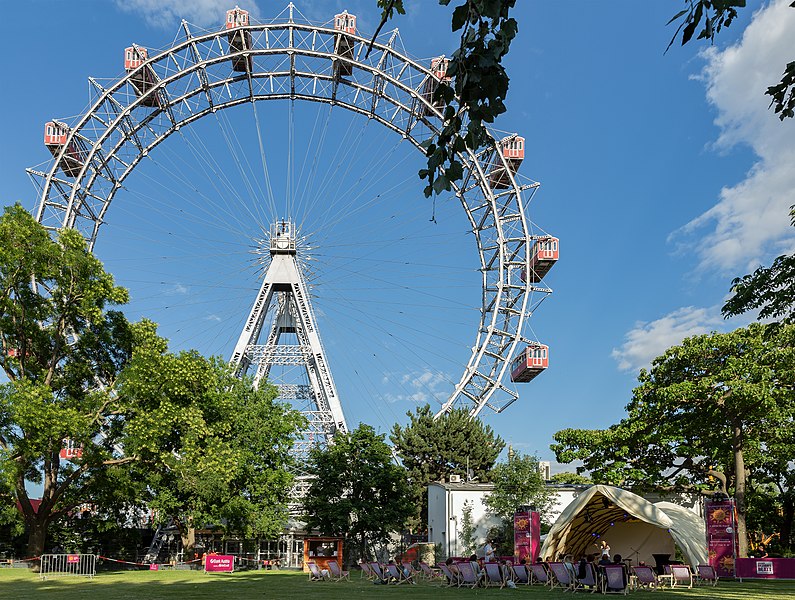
(664,176)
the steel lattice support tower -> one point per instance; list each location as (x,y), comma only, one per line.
(281,331)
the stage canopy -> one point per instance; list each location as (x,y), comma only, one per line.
(632,526)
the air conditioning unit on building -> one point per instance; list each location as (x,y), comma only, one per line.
(455,478)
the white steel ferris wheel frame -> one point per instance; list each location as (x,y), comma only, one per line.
(292,60)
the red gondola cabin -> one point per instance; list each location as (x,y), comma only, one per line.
(439,69)
(513,151)
(143,78)
(344,23)
(530,363)
(56,135)
(545,254)
(240,39)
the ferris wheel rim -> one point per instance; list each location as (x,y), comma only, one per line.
(505,302)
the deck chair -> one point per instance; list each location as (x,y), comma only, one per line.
(615,580)
(494,575)
(409,568)
(467,576)
(367,570)
(681,575)
(588,580)
(451,579)
(645,577)
(337,574)
(397,575)
(427,571)
(539,574)
(707,574)
(379,573)
(521,575)
(561,576)
(314,572)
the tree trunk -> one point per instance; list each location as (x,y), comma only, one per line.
(739,491)
(188,537)
(37,537)
(788,502)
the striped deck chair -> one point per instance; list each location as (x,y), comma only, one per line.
(562,577)
(379,573)
(337,574)
(540,574)
(409,568)
(367,570)
(450,577)
(615,580)
(588,580)
(645,577)
(427,571)
(494,575)
(397,575)
(314,572)
(707,574)
(681,575)
(466,575)
(521,575)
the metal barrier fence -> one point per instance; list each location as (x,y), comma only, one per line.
(68,565)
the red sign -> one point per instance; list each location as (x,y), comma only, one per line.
(154,567)
(72,558)
(219,563)
(721,536)
(526,536)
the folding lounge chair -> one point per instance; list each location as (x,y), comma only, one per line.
(588,580)
(451,579)
(707,574)
(494,575)
(427,571)
(379,573)
(561,576)
(466,575)
(645,577)
(539,574)
(367,570)
(409,568)
(397,575)
(337,574)
(681,575)
(615,580)
(314,572)
(521,575)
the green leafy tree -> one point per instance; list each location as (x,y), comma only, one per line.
(213,450)
(707,417)
(567,477)
(467,533)
(708,17)
(433,449)
(476,93)
(358,492)
(518,482)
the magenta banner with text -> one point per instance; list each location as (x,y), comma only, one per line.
(721,536)
(526,536)
(766,568)
(219,563)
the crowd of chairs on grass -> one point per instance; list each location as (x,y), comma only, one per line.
(565,575)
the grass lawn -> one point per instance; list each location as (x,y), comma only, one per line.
(20,584)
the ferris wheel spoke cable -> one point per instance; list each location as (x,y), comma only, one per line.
(317,147)
(264,161)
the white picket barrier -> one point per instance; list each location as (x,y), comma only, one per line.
(68,565)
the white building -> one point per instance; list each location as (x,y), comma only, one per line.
(446,510)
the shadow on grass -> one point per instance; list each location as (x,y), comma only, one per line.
(195,585)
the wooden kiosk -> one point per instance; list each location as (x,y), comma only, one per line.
(320,550)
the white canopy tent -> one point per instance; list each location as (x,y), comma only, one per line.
(632,526)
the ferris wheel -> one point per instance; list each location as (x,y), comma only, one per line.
(107,153)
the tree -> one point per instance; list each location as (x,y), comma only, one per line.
(213,450)
(478,88)
(433,449)
(467,533)
(518,482)
(144,421)
(770,289)
(717,14)
(706,418)
(358,492)
(569,478)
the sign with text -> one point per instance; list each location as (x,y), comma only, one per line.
(766,568)
(721,536)
(219,563)
(526,536)
(72,558)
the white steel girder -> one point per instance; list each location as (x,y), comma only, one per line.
(290,314)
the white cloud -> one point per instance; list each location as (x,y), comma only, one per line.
(212,317)
(169,13)
(750,221)
(178,289)
(646,341)
(419,387)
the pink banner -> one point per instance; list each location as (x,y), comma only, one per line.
(219,563)
(721,536)
(765,568)
(72,558)
(526,536)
